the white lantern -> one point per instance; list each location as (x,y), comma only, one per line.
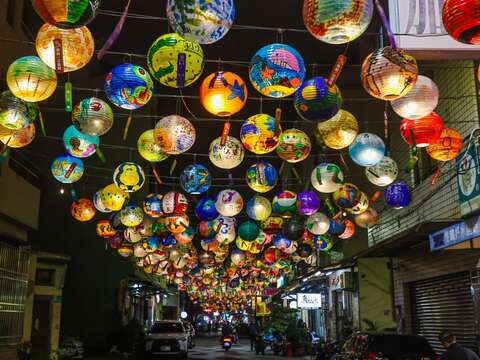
(327,178)
(318,223)
(229,202)
(383,173)
(418,102)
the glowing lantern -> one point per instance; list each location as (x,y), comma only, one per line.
(66,14)
(367,219)
(389,74)
(129,177)
(177,223)
(29,79)
(129,86)
(229,202)
(337,21)
(316,101)
(113,197)
(277,70)
(97,201)
(148,148)
(92,116)
(271,255)
(327,177)
(361,206)
(131,216)
(346,196)
(223,93)
(175,61)
(262,177)
(258,208)
(447,147)
(285,203)
(367,149)
(75,45)
(16,114)
(186,236)
(260,134)
(17,138)
(125,250)
(318,223)
(67,169)
(174,203)
(340,131)
(273,224)
(294,146)
(78,144)
(426,130)
(105,229)
(308,202)
(397,195)
(419,102)
(83,210)
(349,230)
(248,230)
(152,205)
(174,134)
(195,179)
(462,21)
(228,156)
(205,209)
(383,173)
(238,257)
(225,229)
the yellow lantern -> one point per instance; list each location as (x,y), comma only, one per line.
(447,147)
(17,138)
(223,93)
(340,131)
(113,198)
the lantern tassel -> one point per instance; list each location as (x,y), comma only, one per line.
(336,70)
(42,123)
(225,132)
(116,32)
(386,25)
(157,176)
(100,154)
(68,96)
(437,175)
(278,118)
(127,126)
(74,195)
(376,195)
(173,166)
(295,172)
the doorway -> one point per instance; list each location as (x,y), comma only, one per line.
(41,328)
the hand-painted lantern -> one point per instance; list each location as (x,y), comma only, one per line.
(177,223)
(97,201)
(207,229)
(361,206)
(349,230)
(346,196)
(397,195)
(447,147)
(205,209)
(186,236)
(262,177)
(318,223)
(284,203)
(340,131)
(281,242)
(195,179)
(125,250)
(223,93)
(115,241)
(129,177)
(66,14)
(462,20)
(260,134)
(131,215)
(367,149)
(294,146)
(271,255)
(92,116)
(105,229)
(113,197)
(16,114)
(327,177)
(229,202)
(337,227)
(426,130)
(78,144)
(273,224)
(322,242)
(383,173)
(149,149)
(367,219)
(67,169)
(17,138)
(228,156)
(248,230)
(174,134)
(152,205)
(308,202)
(225,229)
(174,203)
(258,208)
(83,210)
(237,257)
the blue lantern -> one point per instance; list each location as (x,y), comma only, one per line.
(169,241)
(67,169)
(337,227)
(397,195)
(205,209)
(195,179)
(262,176)
(152,243)
(367,149)
(280,241)
(78,144)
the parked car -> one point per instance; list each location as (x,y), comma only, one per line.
(167,338)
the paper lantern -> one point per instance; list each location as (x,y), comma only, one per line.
(346,196)
(228,156)
(285,203)
(262,177)
(281,242)
(340,131)
(397,195)
(237,257)
(223,93)
(115,241)
(16,114)
(271,255)
(207,229)
(174,134)
(99,205)
(67,169)
(29,79)
(76,47)
(83,210)
(447,147)
(248,230)
(125,250)
(308,202)
(186,236)
(129,86)
(92,116)
(113,197)
(229,203)
(78,144)
(205,22)
(131,215)
(327,177)
(149,149)
(383,173)
(17,138)
(129,177)
(177,223)
(367,219)
(225,229)
(205,209)
(418,102)
(104,229)
(195,179)
(260,134)
(66,14)
(318,223)
(294,146)
(258,208)
(322,243)
(337,21)
(367,149)
(349,230)
(175,61)
(389,74)
(461,19)
(426,130)
(316,101)
(152,205)
(361,206)
(337,227)
(277,70)
(174,203)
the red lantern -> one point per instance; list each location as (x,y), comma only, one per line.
(461,19)
(426,130)
(349,230)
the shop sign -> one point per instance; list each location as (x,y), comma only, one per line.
(455,234)
(468,178)
(309,301)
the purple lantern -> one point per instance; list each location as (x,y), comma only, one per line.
(397,195)
(308,202)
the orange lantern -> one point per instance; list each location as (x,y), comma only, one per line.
(223,93)
(447,147)
(426,130)
(105,229)
(83,210)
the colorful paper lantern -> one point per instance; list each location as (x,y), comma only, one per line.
(277,70)
(383,173)
(361,206)
(316,101)
(294,146)
(397,195)
(129,177)
(207,229)
(284,203)
(225,229)
(177,223)
(262,177)
(99,205)
(152,205)
(367,219)
(17,138)
(281,242)
(186,236)
(327,177)
(29,79)
(426,130)
(462,20)
(92,116)
(104,229)
(237,257)
(125,250)
(205,209)
(340,131)
(346,196)
(223,93)
(113,197)
(16,114)
(318,224)
(131,215)
(308,202)
(67,169)
(66,14)
(78,144)
(195,179)
(174,203)
(83,210)
(447,147)
(260,134)
(175,61)
(349,230)
(418,102)
(248,230)
(129,86)
(258,208)
(337,21)
(367,149)
(389,74)
(228,156)
(322,243)
(229,202)
(337,226)
(174,134)
(149,149)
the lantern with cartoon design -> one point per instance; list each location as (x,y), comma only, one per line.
(148,148)
(113,197)
(340,131)
(152,205)
(227,156)
(327,177)
(294,146)
(174,134)
(229,202)
(262,177)
(92,116)
(17,138)
(78,144)
(83,210)
(67,169)
(129,177)
(223,93)
(260,133)
(174,203)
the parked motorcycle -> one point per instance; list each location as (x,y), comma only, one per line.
(227,342)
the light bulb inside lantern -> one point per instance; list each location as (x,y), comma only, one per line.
(217,103)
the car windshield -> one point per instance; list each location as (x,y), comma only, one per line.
(162,328)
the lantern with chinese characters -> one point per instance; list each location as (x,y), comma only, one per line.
(285,203)
(419,102)
(65,50)
(175,61)
(262,177)
(294,146)
(129,177)
(361,206)
(426,130)
(337,21)
(277,70)
(66,14)
(367,149)
(223,93)
(195,179)
(205,209)
(260,134)
(389,74)
(67,169)
(229,202)
(258,208)
(92,116)
(349,230)
(340,131)
(462,20)
(149,149)
(383,173)
(152,205)
(174,203)
(397,195)
(104,229)
(318,223)
(447,147)
(16,114)
(113,197)
(367,219)
(83,210)
(29,79)
(316,101)
(174,134)
(177,223)
(78,144)
(17,138)
(346,196)
(131,215)
(227,156)
(327,177)
(248,230)
(308,202)
(129,86)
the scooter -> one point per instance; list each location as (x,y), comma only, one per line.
(227,342)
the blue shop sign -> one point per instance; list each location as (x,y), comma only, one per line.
(455,234)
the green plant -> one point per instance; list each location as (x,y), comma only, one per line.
(370,325)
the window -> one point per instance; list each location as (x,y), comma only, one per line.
(45,277)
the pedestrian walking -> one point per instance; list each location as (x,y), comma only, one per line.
(454,350)
(252,332)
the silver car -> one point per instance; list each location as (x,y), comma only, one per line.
(167,338)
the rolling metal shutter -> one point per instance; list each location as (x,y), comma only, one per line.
(444,303)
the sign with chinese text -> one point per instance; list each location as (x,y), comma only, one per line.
(455,234)
(309,301)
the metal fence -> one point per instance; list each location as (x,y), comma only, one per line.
(14,265)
